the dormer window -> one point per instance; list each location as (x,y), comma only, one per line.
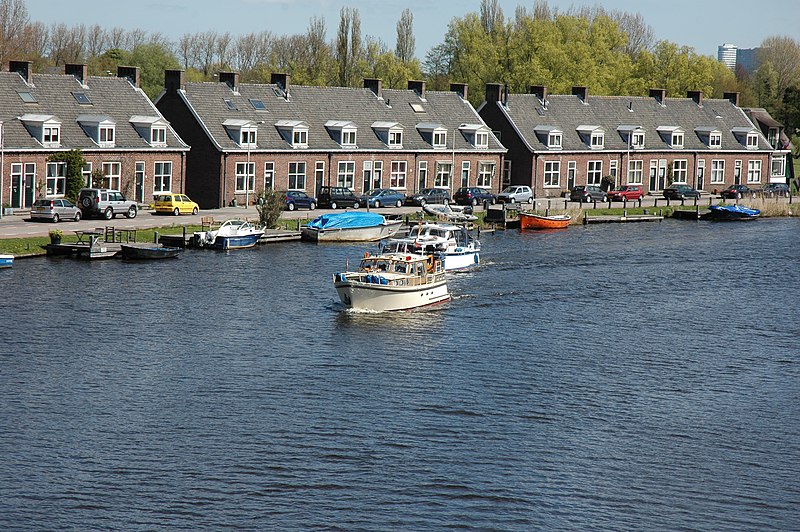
(550,135)
(439,139)
(106,135)
(158,136)
(242,132)
(710,136)
(300,137)
(153,129)
(476,134)
(715,140)
(672,135)
(343,131)
(295,132)
(44,128)
(747,136)
(51,135)
(435,134)
(100,128)
(395,138)
(390,133)
(593,136)
(752,141)
(633,136)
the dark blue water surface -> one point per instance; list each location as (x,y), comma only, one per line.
(606,377)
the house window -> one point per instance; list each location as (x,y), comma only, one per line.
(752,141)
(395,138)
(347,174)
(319,175)
(552,173)
(701,171)
(485,174)
(158,136)
(680,171)
(778,167)
(422,175)
(56,178)
(269,175)
(506,172)
(754,171)
(612,170)
(248,138)
(677,140)
(554,140)
(717,171)
(106,135)
(377,174)
(637,140)
(773,137)
(598,140)
(348,137)
(397,177)
(51,135)
(440,139)
(635,172)
(443,172)
(86,172)
(465,174)
(162,177)
(112,173)
(366,176)
(715,140)
(297,176)
(481,139)
(245,177)
(594,172)
(300,138)
(138,180)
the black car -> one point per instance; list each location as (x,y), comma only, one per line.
(335,197)
(681,192)
(296,199)
(429,195)
(775,189)
(737,191)
(474,196)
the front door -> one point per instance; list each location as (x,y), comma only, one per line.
(139,187)
(16,187)
(662,174)
(571,171)
(30,184)
(737,173)
(653,175)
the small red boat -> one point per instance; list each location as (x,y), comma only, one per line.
(535,221)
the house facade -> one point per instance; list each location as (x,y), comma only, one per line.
(110,119)
(249,137)
(556,142)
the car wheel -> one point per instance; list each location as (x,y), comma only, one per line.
(511,200)
(398,204)
(738,195)
(290,207)
(422,202)
(333,205)
(86,202)
(194,211)
(446,201)
(131,212)
(530,200)
(474,202)
(176,212)
(356,205)
(312,206)
(377,205)
(77,216)
(494,200)
(109,213)
(55,218)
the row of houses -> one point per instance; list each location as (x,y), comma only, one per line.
(224,141)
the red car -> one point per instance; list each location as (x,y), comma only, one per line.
(627,192)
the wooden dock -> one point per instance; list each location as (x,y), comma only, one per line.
(279,235)
(605,219)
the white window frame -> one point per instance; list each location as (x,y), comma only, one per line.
(86,172)
(395,138)
(346,174)
(439,138)
(248,137)
(597,140)
(778,167)
(637,140)
(465,167)
(752,141)
(349,136)
(444,172)
(300,137)
(635,172)
(377,174)
(754,167)
(269,175)
(715,139)
(397,174)
(245,177)
(56,179)
(552,174)
(481,139)
(554,140)
(612,169)
(319,174)
(677,139)
(158,136)
(51,135)
(105,135)
(162,176)
(485,174)
(112,171)
(422,175)
(717,172)
(680,171)
(594,172)
(297,175)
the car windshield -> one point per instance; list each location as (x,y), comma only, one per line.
(374,192)
(510,189)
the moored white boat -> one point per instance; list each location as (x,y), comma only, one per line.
(350,227)
(232,234)
(452,213)
(453,244)
(6,261)
(393,281)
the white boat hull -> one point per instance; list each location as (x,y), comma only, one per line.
(460,260)
(351,234)
(380,298)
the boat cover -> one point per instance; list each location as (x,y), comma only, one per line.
(346,220)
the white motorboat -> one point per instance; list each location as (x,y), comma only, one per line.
(451,213)
(232,234)
(393,281)
(452,243)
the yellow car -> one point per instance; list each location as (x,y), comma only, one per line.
(175,204)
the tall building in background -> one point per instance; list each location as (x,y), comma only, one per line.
(727,54)
(747,59)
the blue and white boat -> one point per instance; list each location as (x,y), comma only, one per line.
(350,227)
(733,212)
(6,261)
(232,234)
(452,243)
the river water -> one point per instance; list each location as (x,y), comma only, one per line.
(606,377)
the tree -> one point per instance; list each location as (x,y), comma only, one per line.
(74,171)
(783,54)
(270,205)
(152,60)
(404,49)
(349,50)
(13,25)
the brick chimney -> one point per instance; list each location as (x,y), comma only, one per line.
(418,87)
(581,92)
(540,91)
(131,73)
(282,80)
(732,97)
(494,92)
(81,72)
(697,96)
(460,89)
(375,85)
(23,68)
(174,80)
(659,94)
(231,79)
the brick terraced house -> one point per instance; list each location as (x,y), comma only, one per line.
(110,119)
(247,137)
(556,142)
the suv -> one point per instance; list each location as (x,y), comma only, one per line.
(335,197)
(429,195)
(515,194)
(587,193)
(106,203)
(473,196)
(625,192)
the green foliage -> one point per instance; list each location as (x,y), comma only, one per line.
(74,173)
(152,59)
(270,205)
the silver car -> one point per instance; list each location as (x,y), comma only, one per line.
(55,210)
(515,194)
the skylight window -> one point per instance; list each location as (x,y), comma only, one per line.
(257,104)
(82,98)
(417,107)
(231,106)
(27,97)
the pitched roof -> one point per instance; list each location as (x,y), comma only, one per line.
(327,109)
(618,115)
(110,99)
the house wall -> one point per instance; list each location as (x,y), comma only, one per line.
(518,154)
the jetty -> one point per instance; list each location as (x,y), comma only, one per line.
(620,219)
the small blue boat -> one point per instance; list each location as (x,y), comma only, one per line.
(232,234)
(733,212)
(6,261)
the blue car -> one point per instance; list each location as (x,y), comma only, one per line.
(296,199)
(384,197)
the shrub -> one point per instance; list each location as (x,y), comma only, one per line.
(269,204)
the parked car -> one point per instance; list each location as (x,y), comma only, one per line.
(737,191)
(296,199)
(335,197)
(429,195)
(474,196)
(176,204)
(55,210)
(515,194)
(681,192)
(383,197)
(775,189)
(626,192)
(587,193)
(106,203)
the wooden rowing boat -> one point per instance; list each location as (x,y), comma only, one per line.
(535,221)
